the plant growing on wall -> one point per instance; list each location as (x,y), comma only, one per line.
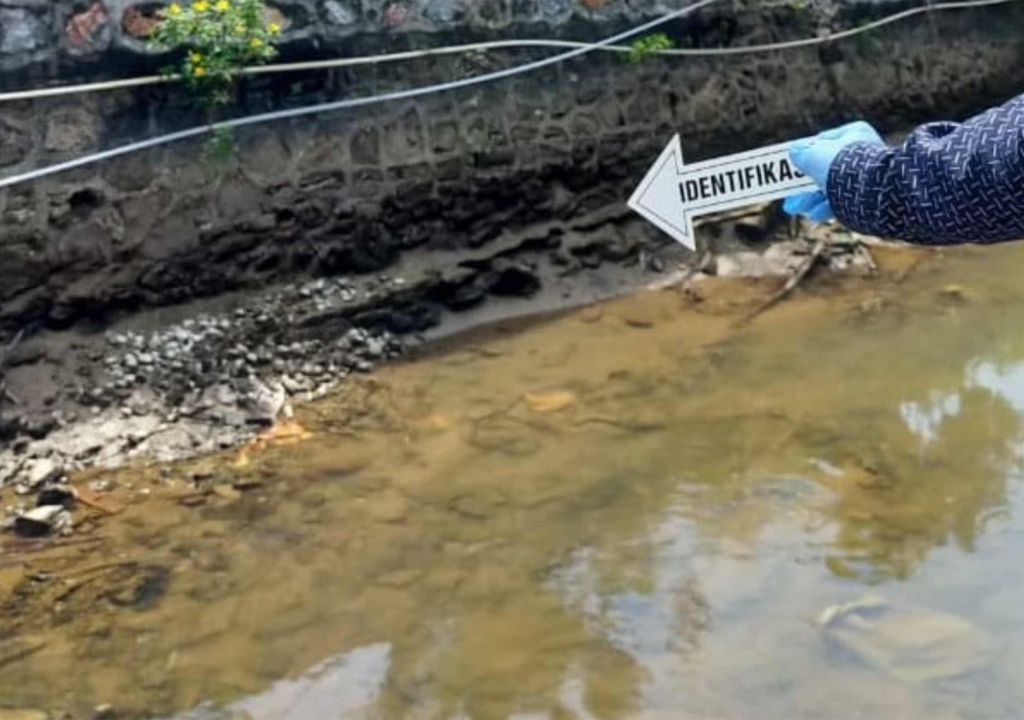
(217,39)
(644,47)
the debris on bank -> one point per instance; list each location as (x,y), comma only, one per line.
(205,383)
(212,379)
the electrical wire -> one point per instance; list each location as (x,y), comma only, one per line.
(491,45)
(347,103)
(577,50)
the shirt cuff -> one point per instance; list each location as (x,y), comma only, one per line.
(854,188)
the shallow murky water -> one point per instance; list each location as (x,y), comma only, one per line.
(638,510)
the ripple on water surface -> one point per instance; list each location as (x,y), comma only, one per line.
(637,510)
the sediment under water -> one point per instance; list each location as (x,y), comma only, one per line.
(640,509)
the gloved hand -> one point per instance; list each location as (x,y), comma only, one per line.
(814,157)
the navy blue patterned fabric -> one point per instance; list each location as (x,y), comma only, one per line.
(948,183)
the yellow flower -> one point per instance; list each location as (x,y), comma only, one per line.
(174,9)
(201,6)
(255,43)
(195,58)
(274,28)
(198,72)
(239,29)
(223,6)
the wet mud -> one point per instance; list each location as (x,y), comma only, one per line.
(644,508)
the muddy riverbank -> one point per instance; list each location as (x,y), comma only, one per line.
(203,376)
(628,511)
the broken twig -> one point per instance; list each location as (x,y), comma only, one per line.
(21,654)
(791,284)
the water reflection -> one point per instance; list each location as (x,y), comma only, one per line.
(924,419)
(633,511)
(337,689)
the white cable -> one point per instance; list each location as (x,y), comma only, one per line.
(509,45)
(344,104)
(579,49)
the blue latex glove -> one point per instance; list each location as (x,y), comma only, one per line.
(814,157)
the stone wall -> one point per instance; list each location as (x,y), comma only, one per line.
(352,191)
(50,39)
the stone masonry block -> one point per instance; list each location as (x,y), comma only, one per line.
(73,129)
(365,146)
(15,145)
(88,31)
(444,136)
(23,31)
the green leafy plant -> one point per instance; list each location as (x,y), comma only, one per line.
(218,38)
(220,148)
(644,47)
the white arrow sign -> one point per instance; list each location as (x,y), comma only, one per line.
(672,194)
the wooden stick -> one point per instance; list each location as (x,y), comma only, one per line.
(103,567)
(790,285)
(905,272)
(21,654)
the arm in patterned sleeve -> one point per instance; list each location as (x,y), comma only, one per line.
(948,183)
